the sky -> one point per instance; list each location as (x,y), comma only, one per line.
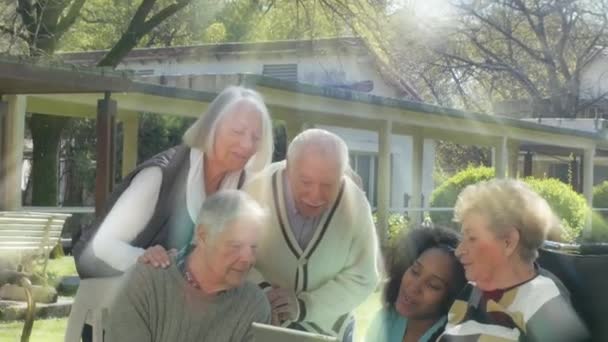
(429,8)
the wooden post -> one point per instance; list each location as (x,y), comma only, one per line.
(528,164)
(501,158)
(417,174)
(12,116)
(588,156)
(106,112)
(383,179)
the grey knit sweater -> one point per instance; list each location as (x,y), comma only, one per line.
(158,305)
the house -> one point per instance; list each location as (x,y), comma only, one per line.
(539,161)
(344,63)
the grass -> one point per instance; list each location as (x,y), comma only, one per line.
(58,268)
(53,330)
(45,330)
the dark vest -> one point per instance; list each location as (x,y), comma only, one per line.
(170,225)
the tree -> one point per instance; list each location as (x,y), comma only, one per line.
(523,48)
(40,25)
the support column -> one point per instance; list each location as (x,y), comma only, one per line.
(417,174)
(574,166)
(513,167)
(106,113)
(130,129)
(528,157)
(383,179)
(12,115)
(500,158)
(588,157)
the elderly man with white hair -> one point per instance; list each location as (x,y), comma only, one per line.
(202,295)
(318,259)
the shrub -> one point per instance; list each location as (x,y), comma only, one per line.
(600,195)
(567,204)
(599,231)
(599,220)
(397,223)
(445,195)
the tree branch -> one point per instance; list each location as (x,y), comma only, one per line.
(534,54)
(70,18)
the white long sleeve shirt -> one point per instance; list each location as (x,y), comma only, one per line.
(135,207)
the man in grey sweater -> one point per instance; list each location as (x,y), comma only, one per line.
(202,295)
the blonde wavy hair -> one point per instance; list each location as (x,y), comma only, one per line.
(509,204)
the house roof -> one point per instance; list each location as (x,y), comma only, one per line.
(22,76)
(256,48)
(90,57)
(413,106)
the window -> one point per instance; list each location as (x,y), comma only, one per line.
(144,72)
(366,166)
(287,72)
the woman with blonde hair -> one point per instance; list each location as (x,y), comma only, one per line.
(508,298)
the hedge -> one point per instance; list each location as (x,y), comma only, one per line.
(569,205)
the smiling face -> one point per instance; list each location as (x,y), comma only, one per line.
(230,255)
(237,136)
(481,252)
(315,178)
(425,285)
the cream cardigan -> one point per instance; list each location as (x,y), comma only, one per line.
(338,269)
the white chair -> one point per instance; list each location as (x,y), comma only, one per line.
(91,306)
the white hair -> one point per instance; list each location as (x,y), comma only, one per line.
(225,206)
(327,142)
(201,134)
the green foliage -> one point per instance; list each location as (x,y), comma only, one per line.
(599,221)
(160,132)
(397,224)
(599,231)
(565,202)
(215,33)
(452,158)
(600,195)
(444,196)
(102,22)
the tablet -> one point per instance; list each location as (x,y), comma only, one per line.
(269,333)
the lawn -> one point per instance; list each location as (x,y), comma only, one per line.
(53,330)
(45,330)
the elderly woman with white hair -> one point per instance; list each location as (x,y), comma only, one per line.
(203,295)
(508,298)
(154,209)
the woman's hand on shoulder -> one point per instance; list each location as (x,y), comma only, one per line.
(157,256)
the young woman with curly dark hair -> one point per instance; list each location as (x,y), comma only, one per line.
(424,278)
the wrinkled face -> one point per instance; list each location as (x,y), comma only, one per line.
(237,137)
(231,254)
(315,181)
(481,252)
(425,286)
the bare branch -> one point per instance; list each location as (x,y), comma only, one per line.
(70,18)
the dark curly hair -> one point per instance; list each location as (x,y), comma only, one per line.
(409,247)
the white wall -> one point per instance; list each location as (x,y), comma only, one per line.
(318,70)
(401,150)
(594,78)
